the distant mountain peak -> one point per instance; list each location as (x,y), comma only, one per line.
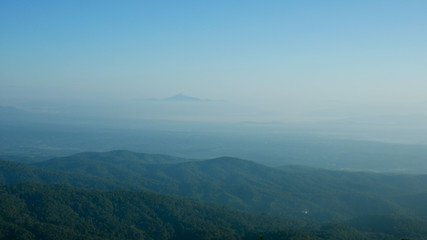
(182,98)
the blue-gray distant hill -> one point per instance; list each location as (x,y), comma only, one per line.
(183,98)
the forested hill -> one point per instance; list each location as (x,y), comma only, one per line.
(115,157)
(245,185)
(15,172)
(112,199)
(34,211)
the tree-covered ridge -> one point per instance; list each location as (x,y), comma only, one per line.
(36,211)
(357,203)
(310,193)
(15,172)
(116,157)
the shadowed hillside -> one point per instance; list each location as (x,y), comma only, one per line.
(306,192)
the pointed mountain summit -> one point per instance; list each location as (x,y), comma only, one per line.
(183,98)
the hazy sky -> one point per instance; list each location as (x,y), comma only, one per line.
(278,55)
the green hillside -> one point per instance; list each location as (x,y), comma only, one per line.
(112,201)
(15,172)
(305,192)
(34,211)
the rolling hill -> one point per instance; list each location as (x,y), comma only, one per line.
(128,195)
(305,192)
(36,211)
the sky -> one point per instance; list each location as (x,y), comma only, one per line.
(289,57)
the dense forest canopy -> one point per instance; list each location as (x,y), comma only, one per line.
(127,195)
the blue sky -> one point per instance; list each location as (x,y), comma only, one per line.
(284,56)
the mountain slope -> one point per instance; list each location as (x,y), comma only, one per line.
(312,193)
(37,211)
(103,164)
(34,211)
(14,172)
